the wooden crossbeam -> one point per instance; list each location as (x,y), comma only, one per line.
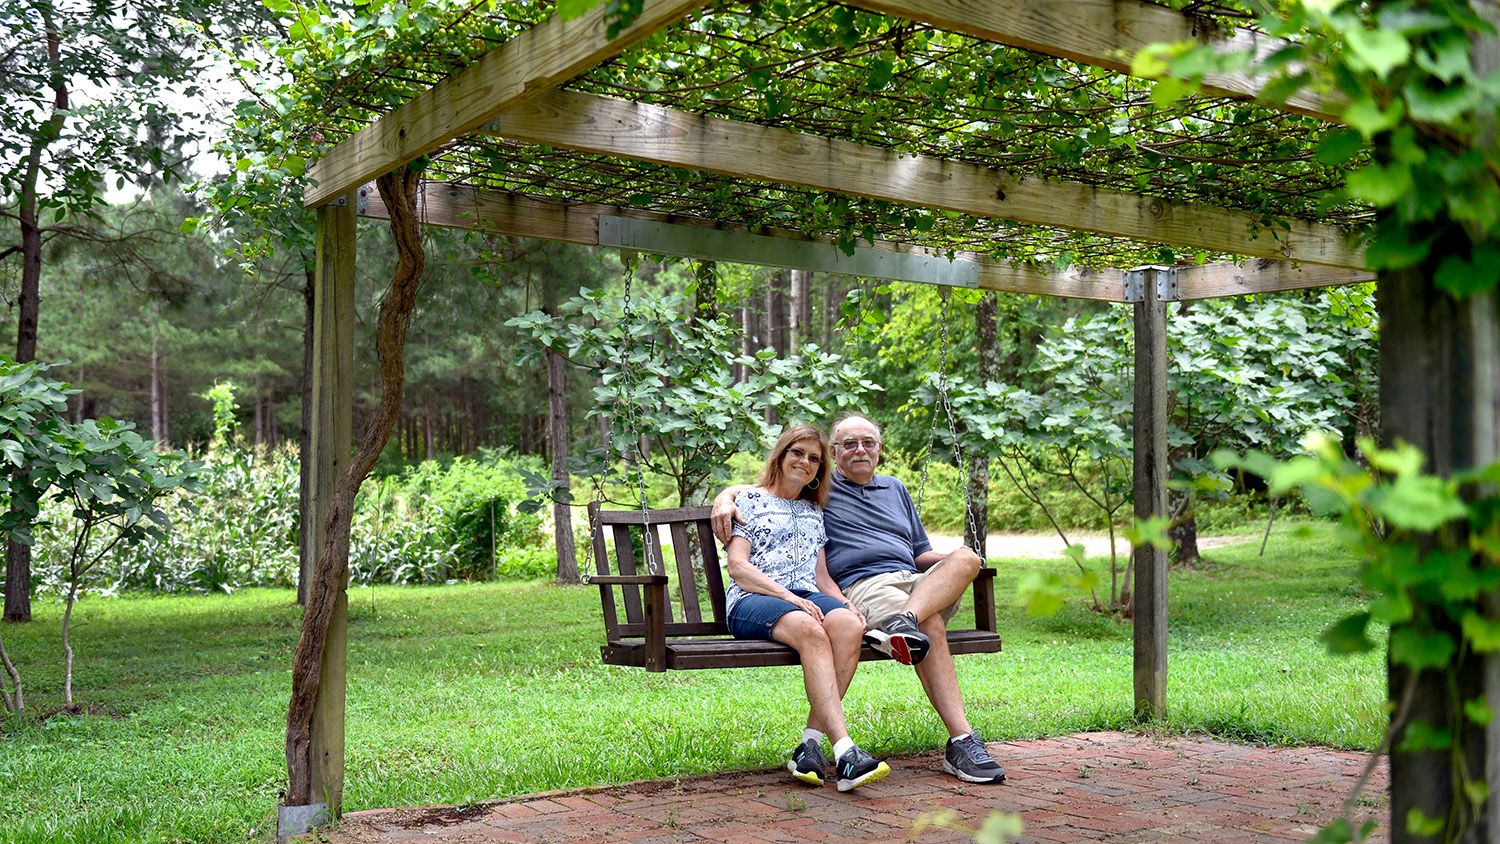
(1211,281)
(536,60)
(1102,33)
(462,207)
(743,150)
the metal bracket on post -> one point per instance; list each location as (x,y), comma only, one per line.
(1167,289)
(1164,278)
(362,201)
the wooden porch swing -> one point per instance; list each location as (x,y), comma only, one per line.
(675,619)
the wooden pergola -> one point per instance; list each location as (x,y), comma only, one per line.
(562,133)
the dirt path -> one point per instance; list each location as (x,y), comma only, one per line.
(1048,545)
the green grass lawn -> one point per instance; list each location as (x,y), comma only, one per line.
(469,693)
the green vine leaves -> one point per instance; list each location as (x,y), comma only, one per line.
(1417,87)
(1431,559)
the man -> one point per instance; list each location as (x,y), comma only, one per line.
(879,554)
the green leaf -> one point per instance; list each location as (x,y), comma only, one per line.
(1377,50)
(1348,636)
(1378,185)
(1418,502)
(1444,106)
(1339,147)
(1420,735)
(1335,833)
(881,71)
(1419,824)
(1478,791)
(1151,62)
(570,9)
(1369,118)
(1478,711)
(1462,276)
(1000,828)
(1483,633)
(1418,650)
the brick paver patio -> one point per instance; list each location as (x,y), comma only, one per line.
(1088,787)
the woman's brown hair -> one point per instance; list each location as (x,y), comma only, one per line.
(816,489)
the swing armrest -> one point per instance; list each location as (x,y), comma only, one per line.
(984,600)
(629,579)
(655,605)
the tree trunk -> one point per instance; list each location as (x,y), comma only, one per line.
(17,555)
(15,700)
(304,436)
(833,305)
(797,310)
(258,416)
(976,526)
(67,629)
(557,436)
(557,425)
(158,423)
(398,191)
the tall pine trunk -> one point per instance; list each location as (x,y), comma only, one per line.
(17,555)
(557,438)
(158,423)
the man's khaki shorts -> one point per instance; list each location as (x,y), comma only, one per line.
(881,596)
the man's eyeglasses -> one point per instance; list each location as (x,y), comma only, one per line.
(867,444)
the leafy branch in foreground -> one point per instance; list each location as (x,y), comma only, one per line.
(1430,548)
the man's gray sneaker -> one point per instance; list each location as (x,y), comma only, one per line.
(807,763)
(856,768)
(967,759)
(898,638)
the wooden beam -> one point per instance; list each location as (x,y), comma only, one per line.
(1211,281)
(742,150)
(1149,421)
(1101,33)
(461,207)
(536,60)
(332,448)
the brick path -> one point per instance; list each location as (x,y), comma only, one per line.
(1093,786)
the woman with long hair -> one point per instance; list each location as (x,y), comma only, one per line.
(780,589)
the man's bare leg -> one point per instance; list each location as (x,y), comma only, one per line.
(946,583)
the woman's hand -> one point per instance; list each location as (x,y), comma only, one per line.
(807,606)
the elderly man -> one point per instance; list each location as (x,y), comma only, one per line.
(879,554)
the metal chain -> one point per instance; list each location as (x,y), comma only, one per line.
(627,319)
(965,473)
(942,388)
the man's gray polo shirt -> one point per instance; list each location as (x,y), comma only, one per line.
(872,529)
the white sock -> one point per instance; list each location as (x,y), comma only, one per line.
(815,735)
(842,746)
(958,738)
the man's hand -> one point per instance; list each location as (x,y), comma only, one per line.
(725,514)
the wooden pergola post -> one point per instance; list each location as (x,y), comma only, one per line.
(332,448)
(1149,288)
(1440,391)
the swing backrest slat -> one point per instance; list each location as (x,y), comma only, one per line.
(631,532)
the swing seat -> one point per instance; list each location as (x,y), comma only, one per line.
(675,620)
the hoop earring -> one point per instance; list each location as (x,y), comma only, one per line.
(813,484)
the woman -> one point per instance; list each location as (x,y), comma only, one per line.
(780,589)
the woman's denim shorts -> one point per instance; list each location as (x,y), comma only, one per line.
(754,615)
